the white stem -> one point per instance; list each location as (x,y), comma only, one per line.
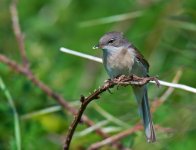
(97,59)
(72,52)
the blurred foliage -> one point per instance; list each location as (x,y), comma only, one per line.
(165,33)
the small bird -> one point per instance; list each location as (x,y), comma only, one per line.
(120,57)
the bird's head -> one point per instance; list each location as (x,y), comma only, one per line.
(112,41)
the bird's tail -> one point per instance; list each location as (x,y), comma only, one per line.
(142,98)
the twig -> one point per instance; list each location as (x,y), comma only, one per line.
(122,80)
(167,93)
(13,65)
(18,34)
(116,137)
(16,67)
(123,134)
(171,89)
(164,83)
(79,54)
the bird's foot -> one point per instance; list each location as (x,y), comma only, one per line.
(144,80)
(119,79)
(136,78)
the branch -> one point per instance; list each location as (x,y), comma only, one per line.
(167,93)
(16,67)
(122,80)
(123,134)
(18,34)
(93,58)
(154,107)
(116,137)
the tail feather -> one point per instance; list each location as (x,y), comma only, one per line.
(142,98)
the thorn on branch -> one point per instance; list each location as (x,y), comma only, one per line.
(82,98)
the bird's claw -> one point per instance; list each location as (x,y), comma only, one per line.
(108,80)
(119,78)
(156,80)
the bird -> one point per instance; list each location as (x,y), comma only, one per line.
(121,57)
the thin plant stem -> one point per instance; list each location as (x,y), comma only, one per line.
(15,114)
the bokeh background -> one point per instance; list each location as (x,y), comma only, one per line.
(163,30)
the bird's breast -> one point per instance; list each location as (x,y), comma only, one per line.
(118,62)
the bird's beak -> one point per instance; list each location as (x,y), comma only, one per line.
(96,46)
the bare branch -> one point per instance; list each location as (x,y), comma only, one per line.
(123,134)
(116,137)
(122,80)
(164,83)
(16,67)
(168,92)
(18,34)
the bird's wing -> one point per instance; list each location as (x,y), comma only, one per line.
(140,57)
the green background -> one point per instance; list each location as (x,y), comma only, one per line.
(163,30)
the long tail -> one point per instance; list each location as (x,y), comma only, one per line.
(142,98)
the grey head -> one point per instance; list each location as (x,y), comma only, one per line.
(112,40)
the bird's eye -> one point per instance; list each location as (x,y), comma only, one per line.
(111,41)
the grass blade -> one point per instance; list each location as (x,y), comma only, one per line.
(16,117)
(111,19)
